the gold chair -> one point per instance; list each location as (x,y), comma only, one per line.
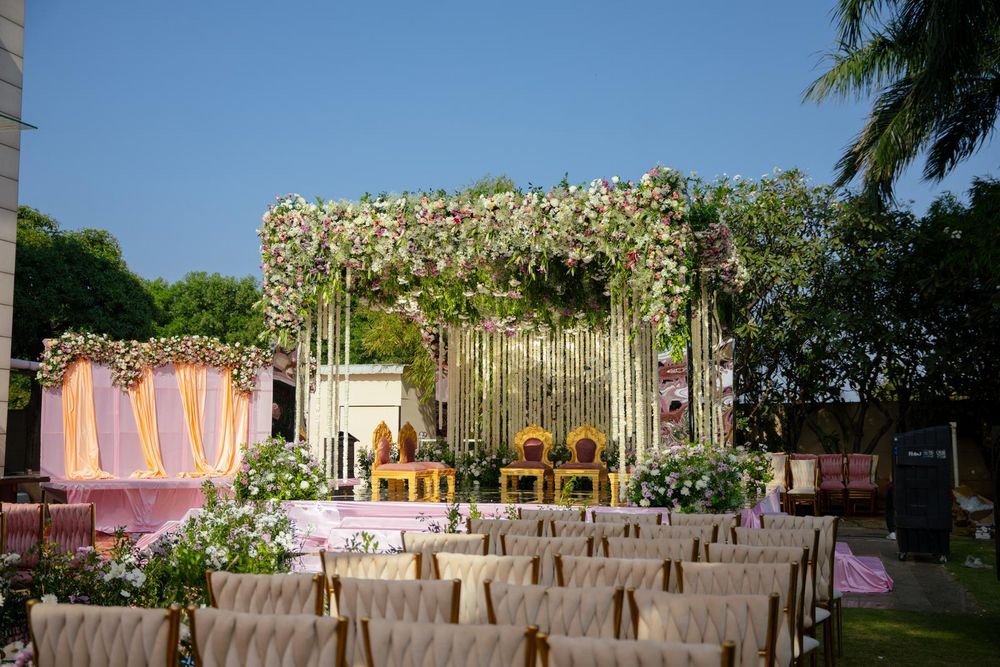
(585,444)
(432,482)
(533,446)
(411,473)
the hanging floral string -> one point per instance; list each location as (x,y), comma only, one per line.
(127,358)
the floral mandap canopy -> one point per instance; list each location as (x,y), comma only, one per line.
(614,257)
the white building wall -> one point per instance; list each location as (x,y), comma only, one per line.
(11,70)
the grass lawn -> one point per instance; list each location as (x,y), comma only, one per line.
(888,637)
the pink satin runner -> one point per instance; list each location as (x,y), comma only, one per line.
(859,574)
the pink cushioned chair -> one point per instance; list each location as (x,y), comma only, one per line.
(21,529)
(832,487)
(72,526)
(533,444)
(585,444)
(860,472)
(410,472)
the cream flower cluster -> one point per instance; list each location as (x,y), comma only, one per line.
(503,261)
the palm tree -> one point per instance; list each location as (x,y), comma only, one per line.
(934,66)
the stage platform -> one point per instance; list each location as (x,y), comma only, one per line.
(137,505)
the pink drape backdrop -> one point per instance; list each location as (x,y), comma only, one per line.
(118,438)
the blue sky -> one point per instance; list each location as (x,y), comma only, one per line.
(174,124)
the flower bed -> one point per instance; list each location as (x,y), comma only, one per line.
(279,470)
(699,477)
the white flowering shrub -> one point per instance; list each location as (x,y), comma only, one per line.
(279,470)
(698,477)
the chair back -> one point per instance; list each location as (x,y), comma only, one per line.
(724,522)
(635,518)
(427,544)
(598,531)
(371,566)
(804,475)
(89,635)
(533,444)
(494,528)
(799,538)
(381,445)
(72,526)
(831,468)
(472,571)
(581,571)
(780,579)
(267,593)
(578,612)
(550,514)
(222,638)
(407,443)
(825,550)
(546,548)
(433,601)
(675,549)
(779,463)
(750,622)
(586,444)
(704,534)
(559,651)
(393,643)
(21,531)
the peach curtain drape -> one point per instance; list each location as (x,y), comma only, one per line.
(143,398)
(232,420)
(80,450)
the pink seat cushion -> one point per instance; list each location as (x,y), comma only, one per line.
(433,465)
(528,464)
(832,485)
(585,450)
(384,451)
(581,466)
(72,526)
(533,448)
(859,484)
(404,467)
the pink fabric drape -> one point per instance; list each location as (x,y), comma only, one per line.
(143,400)
(80,449)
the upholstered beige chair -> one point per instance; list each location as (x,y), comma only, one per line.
(779,475)
(705,534)
(546,548)
(828,599)
(396,644)
(578,612)
(804,595)
(580,571)
(472,571)
(267,593)
(635,518)
(370,566)
(433,601)
(671,549)
(804,482)
(85,635)
(749,621)
(548,515)
(750,579)
(724,522)
(560,651)
(494,528)
(427,544)
(222,638)
(582,529)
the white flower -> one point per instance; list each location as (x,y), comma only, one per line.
(685,491)
(304,484)
(1,599)
(49,598)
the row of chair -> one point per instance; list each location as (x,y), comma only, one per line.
(821,481)
(220,638)
(23,528)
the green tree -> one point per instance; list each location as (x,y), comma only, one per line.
(934,67)
(73,279)
(208,305)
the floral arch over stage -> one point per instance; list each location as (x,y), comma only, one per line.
(539,306)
